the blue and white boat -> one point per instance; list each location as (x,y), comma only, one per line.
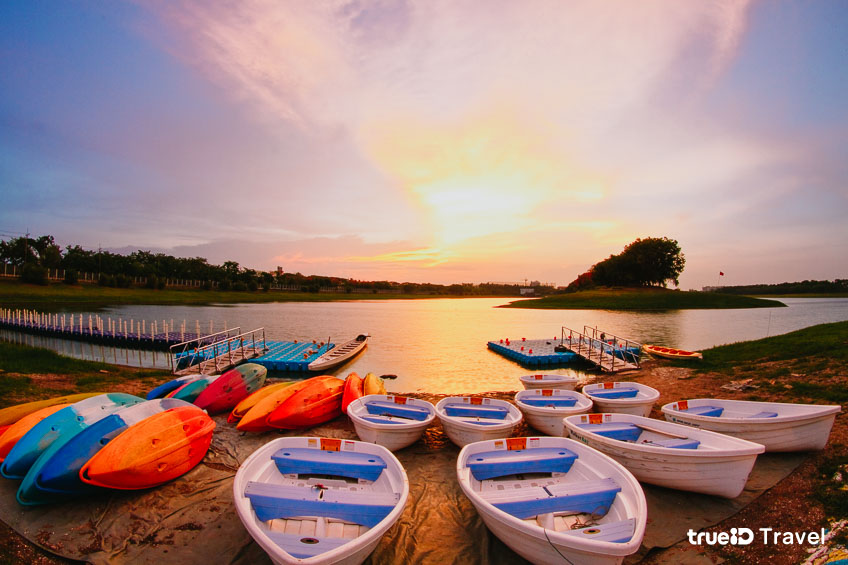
(622,397)
(390,420)
(467,419)
(544,409)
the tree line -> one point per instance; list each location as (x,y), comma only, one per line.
(802,287)
(653,261)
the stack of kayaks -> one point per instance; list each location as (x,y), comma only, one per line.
(390,420)
(214,393)
(297,405)
(112,440)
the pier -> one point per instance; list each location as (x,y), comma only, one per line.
(533,352)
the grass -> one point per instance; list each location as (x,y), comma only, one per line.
(643,299)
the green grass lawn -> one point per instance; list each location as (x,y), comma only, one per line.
(643,299)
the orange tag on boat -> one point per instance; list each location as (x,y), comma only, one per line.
(476,400)
(596,418)
(328,444)
(538,377)
(516,443)
(683,405)
(547,392)
(609,385)
(400,400)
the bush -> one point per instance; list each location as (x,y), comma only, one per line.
(240,286)
(207,285)
(34,274)
(71,276)
(123,281)
(225,285)
(152,281)
(252,286)
(106,280)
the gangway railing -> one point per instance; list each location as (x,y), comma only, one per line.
(628,349)
(187,353)
(612,355)
(227,352)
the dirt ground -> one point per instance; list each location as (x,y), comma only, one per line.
(788,506)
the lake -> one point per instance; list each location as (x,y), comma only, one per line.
(439,345)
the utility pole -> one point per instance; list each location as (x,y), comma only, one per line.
(26,246)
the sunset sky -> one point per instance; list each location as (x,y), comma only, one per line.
(432,141)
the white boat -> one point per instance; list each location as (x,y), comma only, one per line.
(544,409)
(308,500)
(622,397)
(389,420)
(467,419)
(776,425)
(339,354)
(565,382)
(554,500)
(669,455)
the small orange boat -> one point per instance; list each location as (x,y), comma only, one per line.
(671,353)
(250,401)
(315,404)
(256,419)
(152,452)
(353,389)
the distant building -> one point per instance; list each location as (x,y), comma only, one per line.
(527,291)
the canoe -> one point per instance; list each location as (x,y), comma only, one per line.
(776,425)
(669,455)
(319,500)
(53,431)
(353,389)
(16,431)
(190,391)
(672,353)
(256,419)
(339,354)
(565,382)
(250,401)
(554,500)
(622,397)
(315,404)
(232,387)
(389,420)
(467,419)
(61,473)
(372,384)
(165,388)
(12,414)
(544,409)
(152,452)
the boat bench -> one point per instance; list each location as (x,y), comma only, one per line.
(307,461)
(303,547)
(612,393)
(763,414)
(476,411)
(713,411)
(614,532)
(272,501)
(588,497)
(383,408)
(622,431)
(676,443)
(490,464)
(381,420)
(549,401)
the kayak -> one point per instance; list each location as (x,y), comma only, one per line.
(16,431)
(315,404)
(671,353)
(12,414)
(250,401)
(162,390)
(353,389)
(231,387)
(256,419)
(373,385)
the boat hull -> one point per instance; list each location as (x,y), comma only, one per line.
(372,384)
(339,355)
(672,353)
(251,400)
(638,405)
(256,418)
(231,388)
(563,382)
(12,414)
(10,436)
(465,430)
(548,419)
(313,405)
(395,433)
(353,389)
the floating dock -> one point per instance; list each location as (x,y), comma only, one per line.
(533,352)
(291,355)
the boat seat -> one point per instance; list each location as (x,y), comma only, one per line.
(481,422)
(763,414)
(381,420)
(550,401)
(383,408)
(476,411)
(622,431)
(589,497)
(306,461)
(490,464)
(676,443)
(613,393)
(615,532)
(303,547)
(714,411)
(272,501)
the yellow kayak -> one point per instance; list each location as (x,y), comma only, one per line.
(12,414)
(247,403)
(373,385)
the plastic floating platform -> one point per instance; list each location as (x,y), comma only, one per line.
(533,352)
(290,355)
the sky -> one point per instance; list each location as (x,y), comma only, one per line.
(432,141)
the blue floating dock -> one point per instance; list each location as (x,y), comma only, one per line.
(543,354)
(290,355)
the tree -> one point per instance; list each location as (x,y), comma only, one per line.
(646,262)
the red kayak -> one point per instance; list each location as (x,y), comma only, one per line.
(231,388)
(313,405)
(352,390)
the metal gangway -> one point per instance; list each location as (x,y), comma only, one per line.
(216,352)
(608,352)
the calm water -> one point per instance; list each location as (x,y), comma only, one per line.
(440,345)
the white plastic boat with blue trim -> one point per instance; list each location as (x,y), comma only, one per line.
(548,381)
(390,420)
(544,409)
(309,500)
(622,397)
(467,419)
(669,455)
(554,500)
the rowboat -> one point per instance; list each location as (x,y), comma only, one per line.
(256,418)
(232,387)
(622,397)
(554,500)
(467,419)
(353,389)
(152,452)
(566,382)
(339,354)
(776,425)
(544,409)
(669,455)
(311,406)
(308,500)
(672,353)
(389,420)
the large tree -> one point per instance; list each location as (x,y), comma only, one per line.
(652,261)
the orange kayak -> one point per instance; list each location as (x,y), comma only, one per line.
(154,451)
(315,404)
(353,389)
(256,419)
(671,353)
(12,414)
(16,431)
(250,401)
(231,387)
